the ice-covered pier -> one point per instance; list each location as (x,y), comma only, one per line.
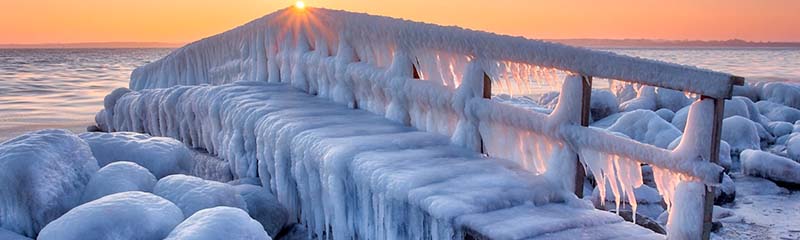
(370,127)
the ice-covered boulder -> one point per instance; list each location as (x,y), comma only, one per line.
(623,91)
(665,114)
(680,117)
(549,100)
(671,99)
(770,166)
(219,223)
(777,112)
(121,216)
(118,177)
(264,207)
(726,193)
(646,99)
(603,104)
(162,156)
(42,176)
(9,235)
(779,129)
(734,107)
(793,147)
(192,194)
(741,134)
(647,127)
(783,93)
(748,90)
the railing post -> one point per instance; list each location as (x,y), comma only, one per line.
(716,134)
(586,102)
(487,94)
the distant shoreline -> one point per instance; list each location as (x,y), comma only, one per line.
(672,44)
(93,45)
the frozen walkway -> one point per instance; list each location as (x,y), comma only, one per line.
(353,174)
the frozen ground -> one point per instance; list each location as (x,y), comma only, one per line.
(762,210)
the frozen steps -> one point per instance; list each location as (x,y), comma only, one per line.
(353,174)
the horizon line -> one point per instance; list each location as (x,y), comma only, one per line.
(589,42)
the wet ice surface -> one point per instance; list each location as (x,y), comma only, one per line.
(762,210)
(61,88)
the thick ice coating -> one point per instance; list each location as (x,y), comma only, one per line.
(118,177)
(121,216)
(192,194)
(42,175)
(162,156)
(219,223)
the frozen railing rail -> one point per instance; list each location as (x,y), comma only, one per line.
(439,79)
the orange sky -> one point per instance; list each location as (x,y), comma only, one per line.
(50,21)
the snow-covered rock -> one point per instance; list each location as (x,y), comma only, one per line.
(646,99)
(770,166)
(264,207)
(734,107)
(665,114)
(9,235)
(747,185)
(779,129)
(549,99)
(793,147)
(777,112)
(42,176)
(219,223)
(623,91)
(783,93)
(647,127)
(121,216)
(162,156)
(671,99)
(748,90)
(679,120)
(192,194)
(726,193)
(741,134)
(118,177)
(603,104)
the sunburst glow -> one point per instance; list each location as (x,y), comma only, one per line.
(300,5)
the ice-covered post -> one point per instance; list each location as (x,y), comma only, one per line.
(586,102)
(716,134)
(475,84)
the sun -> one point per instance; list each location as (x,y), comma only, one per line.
(300,5)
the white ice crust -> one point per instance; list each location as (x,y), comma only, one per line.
(219,223)
(162,156)
(42,176)
(121,216)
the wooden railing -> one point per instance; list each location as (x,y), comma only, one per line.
(424,75)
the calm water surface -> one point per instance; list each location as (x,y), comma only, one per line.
(60,88)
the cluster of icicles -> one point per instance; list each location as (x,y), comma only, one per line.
(623,175)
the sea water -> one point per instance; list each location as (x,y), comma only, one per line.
(64,88)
